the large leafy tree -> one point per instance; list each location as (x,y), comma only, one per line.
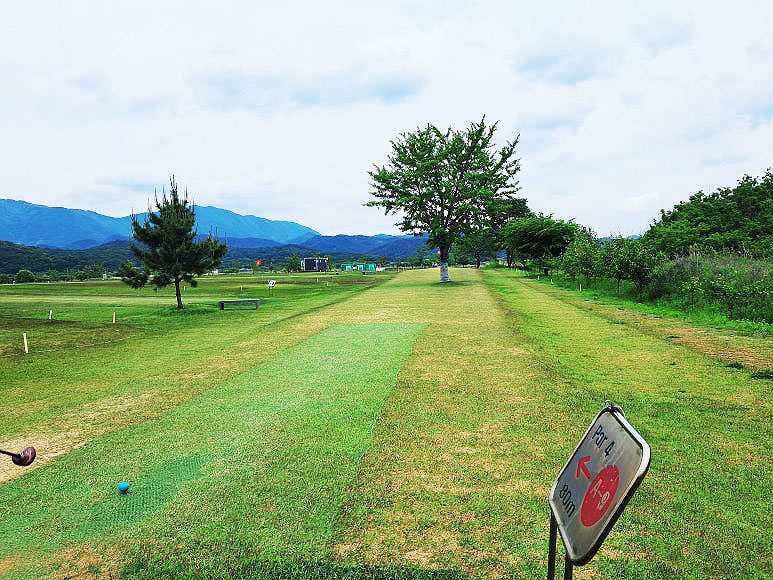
(444,182)
(501,213)
(478,245)
(294,263)
(538,238)
(169,250)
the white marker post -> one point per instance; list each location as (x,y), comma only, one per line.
(26,350)
(50,314)
(580,286)
(113,316)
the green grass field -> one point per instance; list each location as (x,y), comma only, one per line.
(366,427)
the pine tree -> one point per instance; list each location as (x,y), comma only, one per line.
(170,252)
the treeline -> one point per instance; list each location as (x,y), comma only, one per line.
(42,261)
(90,272)
(738,220)
(712,252)
(15,257)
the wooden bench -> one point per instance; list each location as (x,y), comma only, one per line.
(221,304)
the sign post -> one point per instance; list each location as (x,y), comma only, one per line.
(594,486)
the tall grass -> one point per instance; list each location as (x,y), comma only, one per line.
(738,286)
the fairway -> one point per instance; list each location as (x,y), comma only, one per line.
(363,427)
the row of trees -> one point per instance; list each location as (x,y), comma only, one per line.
(742,286)
(93,272)
(617,258)
(456,187)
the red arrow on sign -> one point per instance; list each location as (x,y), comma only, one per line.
(582,468)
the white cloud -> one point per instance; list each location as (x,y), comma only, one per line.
(641,202)
(280,109)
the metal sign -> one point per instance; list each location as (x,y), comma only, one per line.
(271,283)
(594,486)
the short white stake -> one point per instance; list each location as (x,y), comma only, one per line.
(50,314)
(581,287)
(113,316)
(537,277)
(26,350)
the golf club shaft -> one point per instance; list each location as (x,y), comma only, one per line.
(16,455)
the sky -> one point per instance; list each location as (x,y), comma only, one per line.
(280,109)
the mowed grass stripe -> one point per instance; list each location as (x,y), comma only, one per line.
(456,477)
(256,466)
(704,508)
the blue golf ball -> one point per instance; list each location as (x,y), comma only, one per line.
(123,487)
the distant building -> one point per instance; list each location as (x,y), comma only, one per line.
(314,265)
(358,267)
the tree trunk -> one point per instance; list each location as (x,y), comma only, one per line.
(177,291)
(444,250)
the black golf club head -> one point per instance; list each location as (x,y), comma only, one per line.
(24,458)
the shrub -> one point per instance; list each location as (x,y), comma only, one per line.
(25,276)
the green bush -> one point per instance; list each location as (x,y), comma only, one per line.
(25,276)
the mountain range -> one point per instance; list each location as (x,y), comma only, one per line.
(30,224)
(77,237)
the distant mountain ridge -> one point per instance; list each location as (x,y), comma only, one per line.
(41,238)
(15,257)
(57,227)
(378,245)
